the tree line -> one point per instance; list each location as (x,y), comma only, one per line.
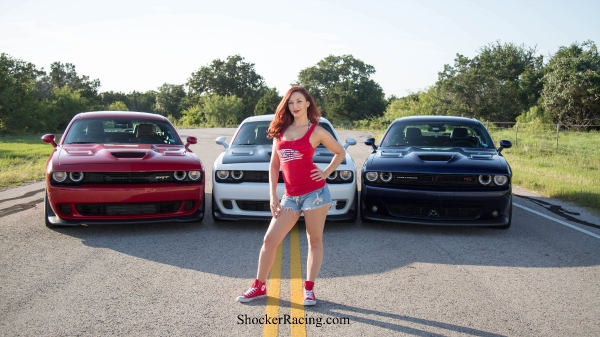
(504,82)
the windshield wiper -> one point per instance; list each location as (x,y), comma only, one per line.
(247,144)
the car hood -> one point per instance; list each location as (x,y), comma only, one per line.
(130,155)
(437,160)
(262,153)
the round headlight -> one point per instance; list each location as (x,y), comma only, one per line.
(500,180)
(59,176)
(222,174)
(385,176)
(333,175)
(237,175)
(76,176)
(485,179)
(179,175)
(371,176)
(346,175)
(195,175)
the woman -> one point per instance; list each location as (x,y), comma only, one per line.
(296,133)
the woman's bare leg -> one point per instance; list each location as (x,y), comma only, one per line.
(277,231)
(315,222)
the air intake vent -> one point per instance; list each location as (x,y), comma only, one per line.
(435,158)
(128,154)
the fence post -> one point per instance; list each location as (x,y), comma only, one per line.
(517,134)
(557,129)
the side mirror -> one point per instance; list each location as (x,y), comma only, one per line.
(190,140)
(371,141)
(349,142)
(221,141)
(49,138)
(504,144)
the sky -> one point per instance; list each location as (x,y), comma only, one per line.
(140,45)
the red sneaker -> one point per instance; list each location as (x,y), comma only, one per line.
(309,294)
(257,290)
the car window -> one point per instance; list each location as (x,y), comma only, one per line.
(437,135)
(252,133)
(121,131)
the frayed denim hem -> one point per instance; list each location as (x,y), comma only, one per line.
(333,203)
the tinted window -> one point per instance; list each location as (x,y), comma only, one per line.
(437,135)
(120,131)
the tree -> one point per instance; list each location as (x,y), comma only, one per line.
(571,93)
(342,87)
(232,77)
(141,101)
(498,84)
(169,100)
(19,107)
(63,105)
(62,75)
(118,106)
(215,111)
(268,103)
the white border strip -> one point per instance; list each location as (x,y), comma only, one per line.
(559,221)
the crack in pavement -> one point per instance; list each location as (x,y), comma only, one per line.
(561,212)
(26,195)
(20,207)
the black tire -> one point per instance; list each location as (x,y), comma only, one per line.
(47,211)
(213,208)
(355,207)
(202,208)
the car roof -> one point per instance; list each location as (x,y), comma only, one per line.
(119,114)
(437,119)
(268,118)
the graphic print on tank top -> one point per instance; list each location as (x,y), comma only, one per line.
(287,155)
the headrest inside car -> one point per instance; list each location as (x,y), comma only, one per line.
(459,133)
(413,133)
(145,130)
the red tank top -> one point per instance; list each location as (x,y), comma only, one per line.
(296,158)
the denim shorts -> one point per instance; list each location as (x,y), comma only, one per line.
(308,201)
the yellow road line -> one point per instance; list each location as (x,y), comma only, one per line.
(273,290)
(296,292)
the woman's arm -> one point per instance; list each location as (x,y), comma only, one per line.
(274,167)
(322,136)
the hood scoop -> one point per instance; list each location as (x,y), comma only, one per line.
(435,157)
(128,154)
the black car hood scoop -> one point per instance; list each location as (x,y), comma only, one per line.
(433,157)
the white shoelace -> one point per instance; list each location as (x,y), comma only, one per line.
(309,294)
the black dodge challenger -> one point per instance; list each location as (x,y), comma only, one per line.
(437,170)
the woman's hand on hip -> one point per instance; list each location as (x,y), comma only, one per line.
(275,206)
(318,175)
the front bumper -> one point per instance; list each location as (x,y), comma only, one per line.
(232,201)
(426,207)
(115,204)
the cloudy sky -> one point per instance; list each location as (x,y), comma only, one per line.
(139,45)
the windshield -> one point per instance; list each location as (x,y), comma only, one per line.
(438,135)
(121,131)
(255,133)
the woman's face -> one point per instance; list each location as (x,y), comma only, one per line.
(298,104)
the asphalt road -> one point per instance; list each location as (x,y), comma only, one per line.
(539,278)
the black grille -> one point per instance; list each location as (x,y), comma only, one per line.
(256,206)
(432,212)
(251,177)
(128,154)
(128,177)
(128,209)
(433,181)
(65,208)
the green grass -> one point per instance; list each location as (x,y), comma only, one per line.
(22,159)
(569,172)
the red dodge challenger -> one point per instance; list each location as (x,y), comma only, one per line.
(122,167)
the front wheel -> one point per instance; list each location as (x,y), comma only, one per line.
(507,226)
(47,212)
(214,207)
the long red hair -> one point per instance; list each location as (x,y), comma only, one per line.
(283,116)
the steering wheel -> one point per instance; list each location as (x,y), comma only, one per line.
(462,143)
(150,140)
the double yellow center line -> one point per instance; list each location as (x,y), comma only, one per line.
(297,295)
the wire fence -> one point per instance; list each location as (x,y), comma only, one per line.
(549,139)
